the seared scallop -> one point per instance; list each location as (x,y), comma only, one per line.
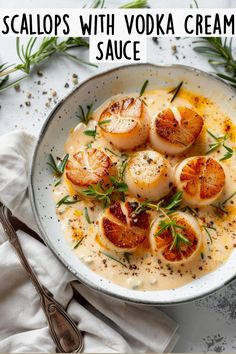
(125,123)
(180,249)
(149,175)
(121,229)
(174,130)
(201,178)
(88,167)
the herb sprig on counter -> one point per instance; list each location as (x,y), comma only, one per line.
(220,54)
(30,55)
(220,141)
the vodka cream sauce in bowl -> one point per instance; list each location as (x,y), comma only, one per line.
(133,183)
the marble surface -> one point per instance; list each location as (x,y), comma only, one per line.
(207,324)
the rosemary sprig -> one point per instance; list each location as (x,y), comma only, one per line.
(86,214)
(78,243)
(207,228)
(85,117)
(220,53)
(113,258)
(31,56)
(175,91)
(91,132)
(143,88)
(136,4)
(119,186)
(58,168)
(100,193)
(219,141)
(221,205)
(170,225)
(169,206)
(5,78)
(67,200)
(127,256)
(106,121)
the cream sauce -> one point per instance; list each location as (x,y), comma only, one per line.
(144,270)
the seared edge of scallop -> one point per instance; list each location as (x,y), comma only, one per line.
(126,123)
(121,229)
(88,167)
(174,130)
(182,253)
(201,178)
(149,175)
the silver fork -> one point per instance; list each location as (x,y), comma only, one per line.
(65,334)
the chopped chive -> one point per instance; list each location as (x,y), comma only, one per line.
(127,256)
(113,258)
(91,133)
(57,183)
(175,91)
(104,122)
(78,243)
(143,88)
(66,201)
(86,214)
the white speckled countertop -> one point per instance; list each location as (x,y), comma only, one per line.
(207,324)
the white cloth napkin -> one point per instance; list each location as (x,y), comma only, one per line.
(109,325)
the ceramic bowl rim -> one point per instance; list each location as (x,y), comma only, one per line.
(43,130)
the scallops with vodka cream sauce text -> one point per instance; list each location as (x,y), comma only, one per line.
(174,130)
(125,123)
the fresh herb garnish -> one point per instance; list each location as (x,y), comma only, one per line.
(67,200)
(207,228)
(92,133)
(86,214)
(105,121)
(127,256)
(202,255)
(123,168)
(85,117)
(119,186)
(58,168)
(100,193)
(170,225)
(219,141)
(113,258)
(78,243)
(143,88)
(175,91)
(170,206)
(112,152)
(57,183)
(221,205)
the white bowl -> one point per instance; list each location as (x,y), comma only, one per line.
(52,137)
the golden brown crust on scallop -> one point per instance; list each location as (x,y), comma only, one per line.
(87,167)
(180,133)
(184,251)
(205,172)
(125,232)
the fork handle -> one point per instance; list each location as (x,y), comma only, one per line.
(64,331)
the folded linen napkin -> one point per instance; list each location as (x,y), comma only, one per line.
(109,325)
